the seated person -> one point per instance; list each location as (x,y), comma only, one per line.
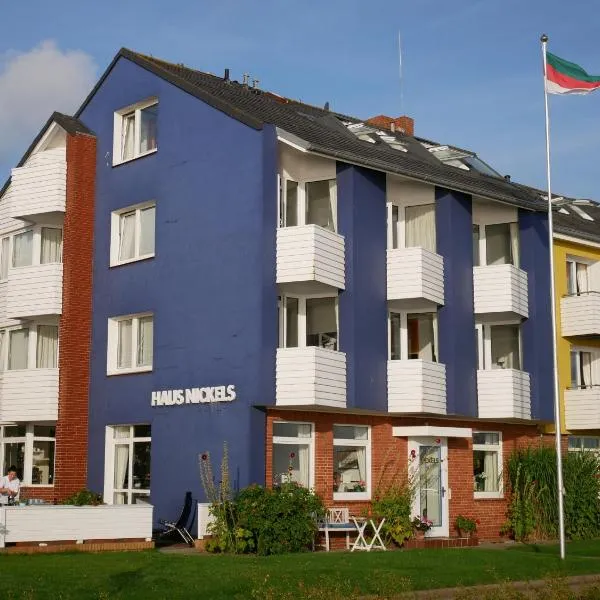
(9,486)
(338,485)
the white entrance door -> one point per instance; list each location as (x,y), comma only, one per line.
(428,460)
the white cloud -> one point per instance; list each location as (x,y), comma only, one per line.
(33,84)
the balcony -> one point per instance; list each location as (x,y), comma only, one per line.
(310,259)
(580,315)
(29,395)
(415,277)
(582,408)
(500,290)
(34,291)
(38,189)
(310,376)
(416,386)
(503,394)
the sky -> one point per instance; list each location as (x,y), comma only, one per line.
(471,69)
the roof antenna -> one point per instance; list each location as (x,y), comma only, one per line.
(226,75)
(400,72)
(255,83)
(245,78)
(326,107)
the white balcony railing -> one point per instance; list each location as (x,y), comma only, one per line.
(415,274)
(310,376)
(34,291)
(29,395)
(500,289)
(503,394)
(416,386)
(582,408)
(580,315)
(311,255)
(38,189)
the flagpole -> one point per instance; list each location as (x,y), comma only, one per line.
(557,419)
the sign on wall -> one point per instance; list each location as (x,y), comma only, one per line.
(204,395)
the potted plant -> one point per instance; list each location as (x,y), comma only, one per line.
(465,526)
(421,525)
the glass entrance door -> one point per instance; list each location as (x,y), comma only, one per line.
(428,459)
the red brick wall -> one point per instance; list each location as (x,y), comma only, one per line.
(76,320)
(389,459)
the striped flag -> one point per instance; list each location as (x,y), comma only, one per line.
(564,77)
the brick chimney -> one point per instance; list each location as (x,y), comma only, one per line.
(402,124)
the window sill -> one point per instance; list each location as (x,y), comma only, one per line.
(129,371)
(37,486)
(348,496)
(124,162)
(488,496)
(131,260)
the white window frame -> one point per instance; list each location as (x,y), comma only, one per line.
(401,206)
(572,262)
(115,229)
(404,332)
(297,441)
(109,460)
(29,439)
(366,495)
(514,233)
(491,448)
(36,248)
(581,446)
(282,304)
(301,216)
(484,341)
(113,340)
(31,345)
(119,115)
(8,258)
(595,367)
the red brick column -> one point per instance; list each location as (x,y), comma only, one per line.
(76,321)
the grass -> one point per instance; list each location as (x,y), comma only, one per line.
(330,576)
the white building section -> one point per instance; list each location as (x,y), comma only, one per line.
(503,394)
(500,289)
(580,315)
(416,386)
(582,409)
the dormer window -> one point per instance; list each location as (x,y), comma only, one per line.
(135,131)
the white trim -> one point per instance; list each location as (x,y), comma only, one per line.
(574,240)
(432,431)
(115,227)
(297,441)
(491,448)
(113,340)
(366,444)
(118,130)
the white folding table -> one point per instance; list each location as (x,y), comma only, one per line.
(376,541)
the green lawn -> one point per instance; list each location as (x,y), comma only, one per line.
(329,576)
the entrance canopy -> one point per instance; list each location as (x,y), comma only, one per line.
(432,431)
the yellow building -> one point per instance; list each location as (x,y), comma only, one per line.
(577,278)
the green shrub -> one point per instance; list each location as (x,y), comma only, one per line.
(581,473)
(83,498)
(282,519)
(395,505)
(465,524)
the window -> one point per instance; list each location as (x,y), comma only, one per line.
(582,374)
(308,203)
(130,344)
(128,479)
(393,226)
(18,349)
(293,453)
(308,322)
(132,234)
(487,464)
(31,449)
(420,226)
(51,245)
(413,336)
(584,444)
(22,249)
(4,257)
(351,462)
(577,278)
(497,244)
(47,347)
(498,346)
(135,132)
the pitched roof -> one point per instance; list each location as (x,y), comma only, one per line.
(70,124)
(325,132)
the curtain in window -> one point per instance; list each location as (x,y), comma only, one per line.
(147,230)
(124,344)
(4,258)
(586,369)
(321,323)
(145,337)
(361,457)
(23,249)
(17,349)
(51,245)
(303,465)
(148,128)
(121,468)
(395,220)
(319,204)
(490,468)
(574,369)
(128,136)
(505,347)
(291,203)
(420,227)
(127,236)
(498,244)
(421,341)
(47,347)
(514,244)
(582,277)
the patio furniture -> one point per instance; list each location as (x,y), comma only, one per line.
(180,526)
(376,541)
(337,519)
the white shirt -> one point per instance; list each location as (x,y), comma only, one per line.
(13,485)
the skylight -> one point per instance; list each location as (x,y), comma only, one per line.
(462,159)
(578,210)
(366,133)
